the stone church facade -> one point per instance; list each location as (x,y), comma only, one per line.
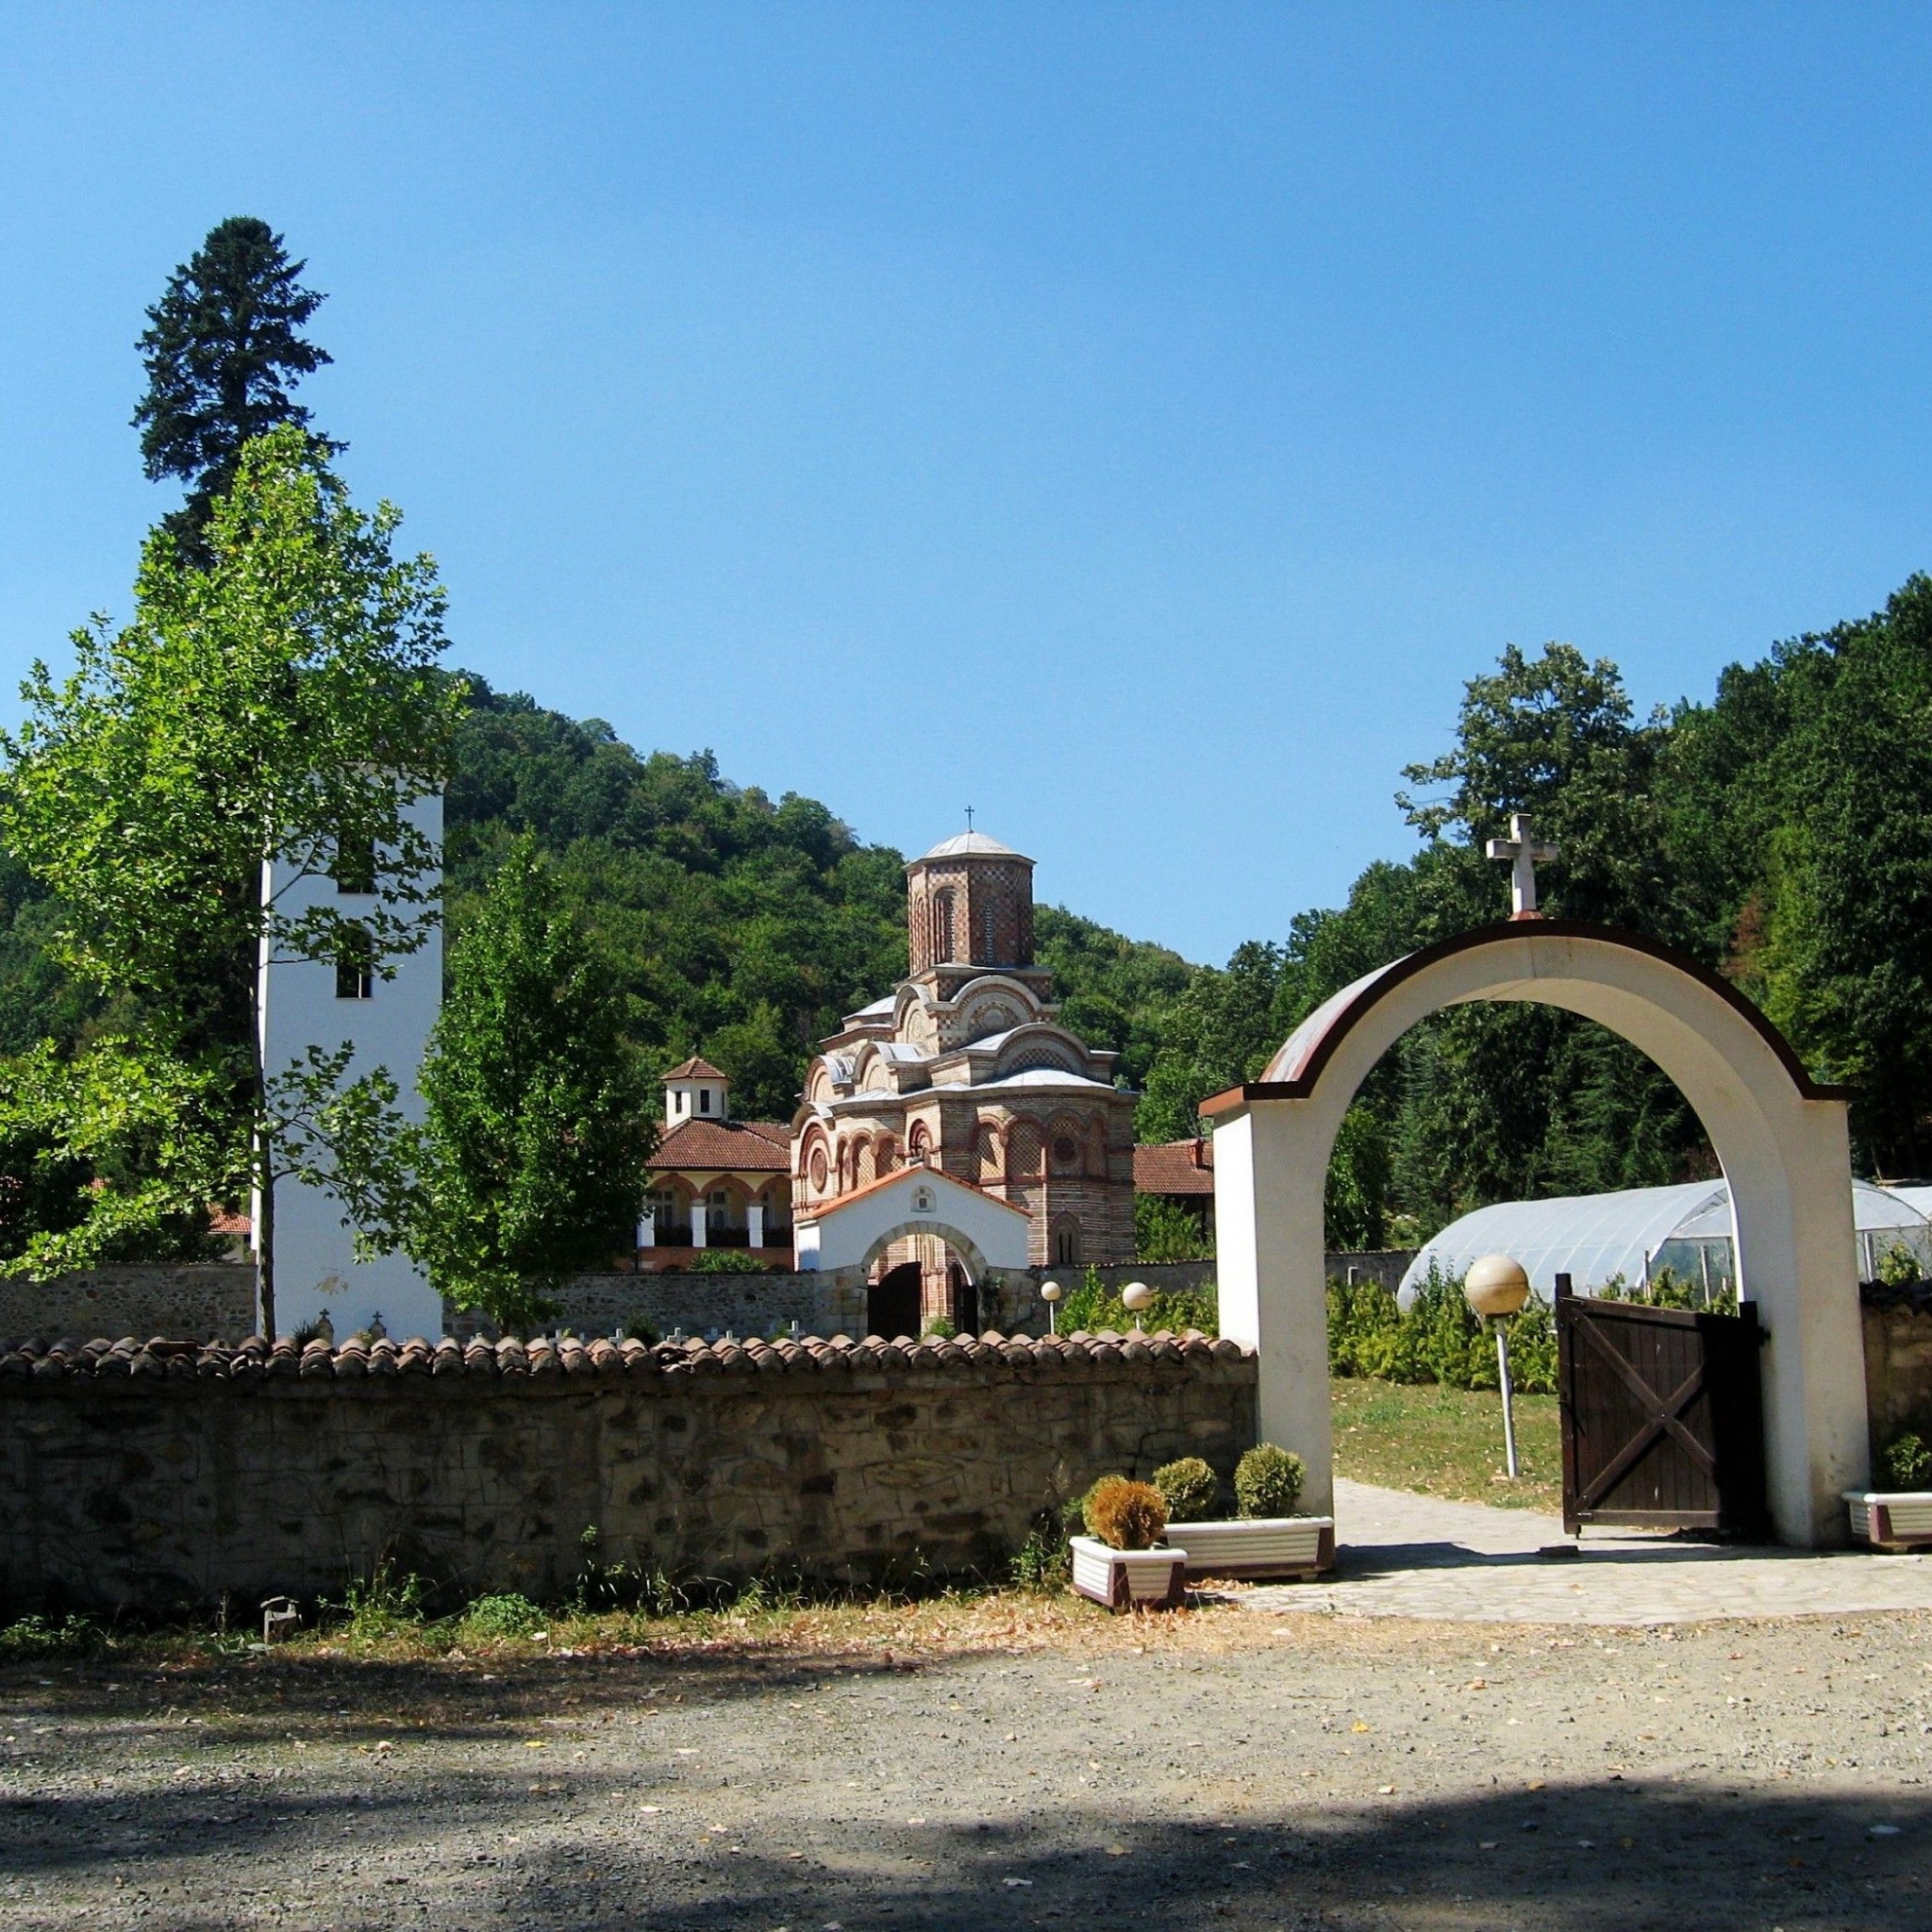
(964,1069)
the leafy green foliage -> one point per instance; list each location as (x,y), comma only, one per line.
(506,1613)
(728,924)
(531,1161)
(1667,1289)
(1906,1462)
(1170,1230)
(1436,1339)
(1113,991)
(727,1261)
(113,1155)
(222,349)
(1094,1306)
(1268,1481)
(1900,1267)
(1042,1563)
(30,1640)
(280,699)
(1190,1489)
(380,1606)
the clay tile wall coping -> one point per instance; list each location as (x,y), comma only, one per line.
(571,1359)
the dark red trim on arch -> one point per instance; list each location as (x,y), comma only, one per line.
(1504,934)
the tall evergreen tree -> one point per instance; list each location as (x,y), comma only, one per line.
(223,348)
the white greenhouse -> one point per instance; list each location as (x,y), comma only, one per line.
(1627,1237)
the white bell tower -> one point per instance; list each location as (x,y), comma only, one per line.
(330,1004)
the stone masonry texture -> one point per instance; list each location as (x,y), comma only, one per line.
(1898,1367)
(147,1478)
(187,1303)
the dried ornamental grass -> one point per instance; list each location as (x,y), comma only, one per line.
(1125,1515)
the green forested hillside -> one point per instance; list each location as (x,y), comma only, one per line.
(738,926)
(1780,832)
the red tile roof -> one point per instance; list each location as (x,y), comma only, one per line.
(1176,1167)
(697,1069)
(708,1146)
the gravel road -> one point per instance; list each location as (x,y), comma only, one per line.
(1221,1768)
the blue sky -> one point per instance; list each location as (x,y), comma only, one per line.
(1133,422)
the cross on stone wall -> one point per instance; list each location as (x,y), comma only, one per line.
(1523,854)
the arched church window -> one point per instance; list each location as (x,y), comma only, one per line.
(943,926)
(1066,1243)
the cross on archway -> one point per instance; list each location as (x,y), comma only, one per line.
(1525,854)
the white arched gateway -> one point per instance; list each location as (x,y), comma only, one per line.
(951,1240)
(1780,1136)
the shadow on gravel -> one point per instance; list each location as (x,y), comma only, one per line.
(1604,1858)
(368,1695)
(1608,1857)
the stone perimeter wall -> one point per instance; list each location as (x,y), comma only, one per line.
(1898,1370)
(217,1300)
(189,1303)
(133,1478)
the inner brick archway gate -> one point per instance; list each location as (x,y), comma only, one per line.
(1780,1136)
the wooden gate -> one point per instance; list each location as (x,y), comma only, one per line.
(1663,1421)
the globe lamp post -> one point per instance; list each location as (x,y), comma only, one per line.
(1496,1288)
(1050,1293)
(1137,1297)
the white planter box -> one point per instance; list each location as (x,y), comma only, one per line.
(1120,1578)
(1275,1546)
(1895,1519)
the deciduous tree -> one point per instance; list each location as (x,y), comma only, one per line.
(531,1163)
(272,705)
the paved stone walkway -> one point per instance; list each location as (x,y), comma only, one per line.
(1399,1554)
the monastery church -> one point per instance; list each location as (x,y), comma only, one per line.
(954,1126)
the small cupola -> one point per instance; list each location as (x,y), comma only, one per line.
(695,1090)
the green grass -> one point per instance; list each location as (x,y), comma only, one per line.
(1446,1443)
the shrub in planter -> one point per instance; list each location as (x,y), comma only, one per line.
(1189,1487)
(1907,1462)
(1125,1515)
(1268,1481)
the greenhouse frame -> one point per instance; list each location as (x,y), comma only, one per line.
(1623,1240)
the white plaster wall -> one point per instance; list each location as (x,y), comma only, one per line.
(845,1234)
(316,1269)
